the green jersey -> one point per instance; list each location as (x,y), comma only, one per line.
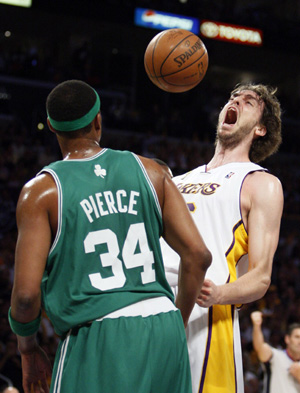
(106,253)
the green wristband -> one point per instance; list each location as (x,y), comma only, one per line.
(24,329)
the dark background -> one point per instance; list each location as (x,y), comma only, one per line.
(97,40)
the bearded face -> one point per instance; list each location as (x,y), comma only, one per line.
(238,118)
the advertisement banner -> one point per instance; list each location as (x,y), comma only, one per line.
(232,33)
(164,20)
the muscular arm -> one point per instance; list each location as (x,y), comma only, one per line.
(262,204)
(33,244)
(181,233)
(263,350)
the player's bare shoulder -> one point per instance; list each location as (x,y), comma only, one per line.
(159,174)
(38,187)
(155,171)
(262,181)
(39,192)
(261,187)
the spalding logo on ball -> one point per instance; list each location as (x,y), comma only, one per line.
(176,60)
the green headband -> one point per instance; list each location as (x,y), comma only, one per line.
(78,123)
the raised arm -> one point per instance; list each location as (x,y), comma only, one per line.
(181,233)
(262,349)
(262,205)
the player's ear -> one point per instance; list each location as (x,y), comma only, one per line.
(50,126)
(260,130)
(286,339)
(98,122)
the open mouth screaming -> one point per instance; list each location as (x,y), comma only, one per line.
(231,116)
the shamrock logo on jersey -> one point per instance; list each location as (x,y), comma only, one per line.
(99,171)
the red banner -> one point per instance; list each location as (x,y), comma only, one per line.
(232,33)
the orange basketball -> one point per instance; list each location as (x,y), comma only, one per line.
(176,60)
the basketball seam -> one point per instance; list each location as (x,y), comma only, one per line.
(190,35)
(155,76)
(172,73)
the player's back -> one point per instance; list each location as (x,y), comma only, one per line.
(106,254)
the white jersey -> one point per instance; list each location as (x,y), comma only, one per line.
(213,197)
(277,377)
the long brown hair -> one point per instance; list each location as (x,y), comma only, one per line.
(268,144)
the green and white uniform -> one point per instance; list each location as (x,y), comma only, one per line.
(104,286)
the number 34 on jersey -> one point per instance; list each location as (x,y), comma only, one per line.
(136,235)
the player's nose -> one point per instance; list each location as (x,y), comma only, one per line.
(236,100)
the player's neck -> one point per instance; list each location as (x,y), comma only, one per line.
(293,356)
(79,149)
(225,156)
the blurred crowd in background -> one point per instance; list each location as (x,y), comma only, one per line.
(181,133)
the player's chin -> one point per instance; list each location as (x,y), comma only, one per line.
(226,127)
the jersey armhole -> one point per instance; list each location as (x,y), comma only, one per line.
(59,204)
(149,183)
